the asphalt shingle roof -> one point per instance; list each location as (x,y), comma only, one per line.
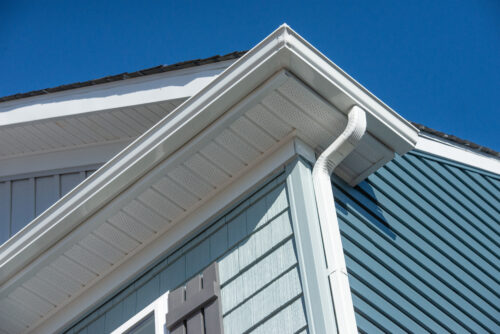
(215,59)
(126,75)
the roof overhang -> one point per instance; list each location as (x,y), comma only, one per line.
(283,88)
(113,113)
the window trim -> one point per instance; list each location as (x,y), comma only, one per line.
(159,307)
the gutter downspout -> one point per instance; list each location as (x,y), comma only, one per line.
(334,252)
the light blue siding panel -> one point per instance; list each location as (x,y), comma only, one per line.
(198,258)
(69,181)
(258,276)
(237,228)
(23,204)
(458,184)
(218,242)
(82,331)
(258,268)
(425,315)
(263,241)
(422,247)
(30,195)
(439,264)
(129,306)
(416,212)
(395,313)
(481,179)
(370,311)
(473,182)
(257,214)
(440,199)
(114,318)
(148,292)
(258,308)
(365,326)
(447,222)
(4,211)
(97,326)
(289,320)
(495,182)
(172,276)
(434,248)
(449,189)
(46,192)
(410,273)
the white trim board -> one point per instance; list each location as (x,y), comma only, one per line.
(97,292)
(282,65)
(154,88)
(450,151)
(159,308)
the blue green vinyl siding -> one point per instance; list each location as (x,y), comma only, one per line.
(421,240)
(261,290)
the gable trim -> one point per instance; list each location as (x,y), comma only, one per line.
(458,154)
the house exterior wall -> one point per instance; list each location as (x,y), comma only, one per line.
(421,240)
(22,198)
(254,245)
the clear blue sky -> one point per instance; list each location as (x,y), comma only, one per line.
(434,62)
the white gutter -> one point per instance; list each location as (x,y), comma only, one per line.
(334,252)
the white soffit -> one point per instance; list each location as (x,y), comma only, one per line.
(112,113)
(282,88)
(35,140)
(172,85)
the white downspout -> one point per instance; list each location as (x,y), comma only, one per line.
(335,262)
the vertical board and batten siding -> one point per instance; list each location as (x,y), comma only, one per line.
(25,197)
(253,243)
(421,239)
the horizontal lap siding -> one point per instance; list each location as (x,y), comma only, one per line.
(22,199)
(259,275)
(421,240)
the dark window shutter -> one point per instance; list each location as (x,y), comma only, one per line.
(195,308)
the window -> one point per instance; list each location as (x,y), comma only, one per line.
(150,320)
(194,309)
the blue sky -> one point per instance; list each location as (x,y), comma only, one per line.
(434,62)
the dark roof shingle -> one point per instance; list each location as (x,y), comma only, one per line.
(215,59)
(126,75)
(470,145)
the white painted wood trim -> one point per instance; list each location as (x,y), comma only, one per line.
(160,309)
(147,254)
(282,49)
(152,88)
(450,151)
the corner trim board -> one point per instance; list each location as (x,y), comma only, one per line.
(140,260)
(310,252)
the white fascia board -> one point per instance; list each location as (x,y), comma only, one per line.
(329,80)
(61,159)
(95,293)
(282,50)
(171,85)
(448,150)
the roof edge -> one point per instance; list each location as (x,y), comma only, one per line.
(465,144)
(126,76)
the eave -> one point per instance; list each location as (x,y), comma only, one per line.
(279,67)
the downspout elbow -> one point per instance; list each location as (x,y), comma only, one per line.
(331,157)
